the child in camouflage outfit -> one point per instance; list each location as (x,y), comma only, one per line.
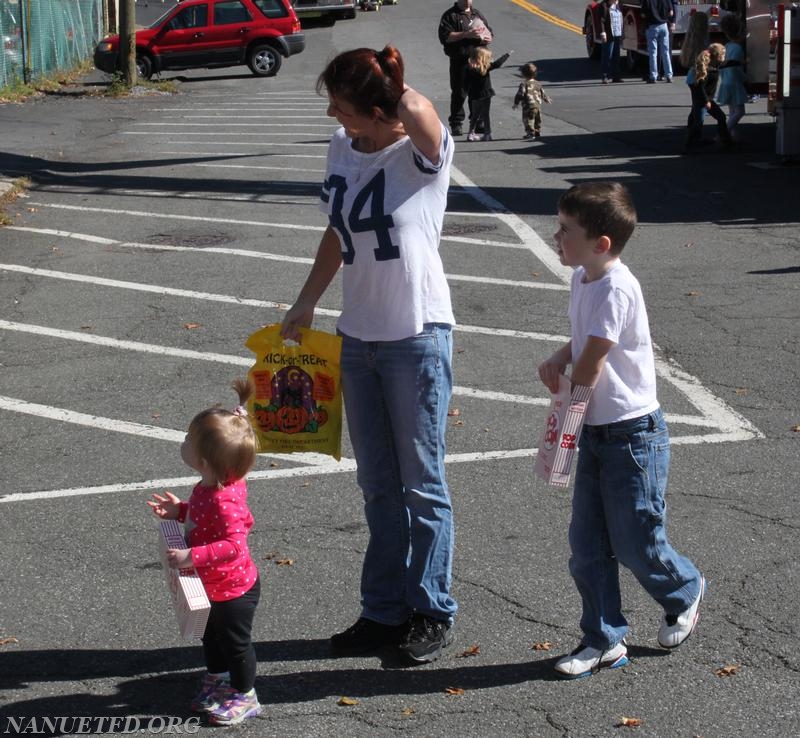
(531,95)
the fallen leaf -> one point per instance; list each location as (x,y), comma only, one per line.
(534,274)
(629,722)
(55,249)
(693,293)
(191,326)
(155,416)
(459,422)
(31,210)
(741,390)
(6,641)
(284,562)
(727,670)
(543,646)
(454,412)
(407,712)
(346,702)
(453,690)
(796,428)
(688,244)
(273,465)
(460,351)
(271,555)
(471,651)
(86,327)
(306,484)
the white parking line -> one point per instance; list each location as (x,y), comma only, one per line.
(245,301)
(251,166)
(263,255)
(533,243)
(229,359)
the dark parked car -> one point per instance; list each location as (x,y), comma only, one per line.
(330,10)
(198,34)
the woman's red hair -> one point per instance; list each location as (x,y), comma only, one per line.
(366,79)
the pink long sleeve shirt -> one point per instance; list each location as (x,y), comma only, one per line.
(216,523)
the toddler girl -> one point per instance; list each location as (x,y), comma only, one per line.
(480,92)
(221,446)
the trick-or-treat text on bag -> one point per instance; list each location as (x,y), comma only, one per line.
(297,404)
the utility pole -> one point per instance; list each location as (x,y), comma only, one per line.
(127,41)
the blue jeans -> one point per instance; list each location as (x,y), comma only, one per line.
(658,45)
(619,516)
(396,396)
(609,57)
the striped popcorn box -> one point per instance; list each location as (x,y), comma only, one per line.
(189,598)
(562,430)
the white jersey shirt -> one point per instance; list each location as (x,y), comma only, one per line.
(387,208)
(613,308)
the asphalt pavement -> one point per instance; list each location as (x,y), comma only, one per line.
(159,231)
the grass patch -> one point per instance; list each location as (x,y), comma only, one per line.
(65,82)
(18,186)
(118,88)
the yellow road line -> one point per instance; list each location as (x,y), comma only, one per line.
(555,20)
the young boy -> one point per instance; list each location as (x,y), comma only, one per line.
(618,508)
(531,94)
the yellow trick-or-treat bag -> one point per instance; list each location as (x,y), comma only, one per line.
(297,405)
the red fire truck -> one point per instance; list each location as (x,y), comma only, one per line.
(634,43)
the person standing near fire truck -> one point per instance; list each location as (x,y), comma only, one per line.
(659,18)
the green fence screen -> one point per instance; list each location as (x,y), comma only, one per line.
(43,36)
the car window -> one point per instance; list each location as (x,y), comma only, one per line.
(271,8)
(195,16)
(230,11)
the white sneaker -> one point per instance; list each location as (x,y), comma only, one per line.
(585,660)
(675,629)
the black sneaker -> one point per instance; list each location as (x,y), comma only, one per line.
(368,635)
(426,639)
(456,130)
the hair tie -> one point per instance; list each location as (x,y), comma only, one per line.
(240,410)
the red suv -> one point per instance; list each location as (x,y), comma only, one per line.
(198,34)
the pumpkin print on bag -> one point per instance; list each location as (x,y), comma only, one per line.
(298,402)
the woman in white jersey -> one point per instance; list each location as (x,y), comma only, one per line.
(385,194)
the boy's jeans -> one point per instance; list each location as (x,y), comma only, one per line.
(397,395)
(619,517)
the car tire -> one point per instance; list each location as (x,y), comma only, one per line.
(144,66)
(264,60)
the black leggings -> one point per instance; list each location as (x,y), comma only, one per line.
(227,645)
(479,114)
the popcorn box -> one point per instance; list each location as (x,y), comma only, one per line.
(476,24)
(189,598)
(562,430)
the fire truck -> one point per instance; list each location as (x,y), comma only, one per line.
(772,51)
(634,43)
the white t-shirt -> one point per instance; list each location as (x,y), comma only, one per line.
(613,308)
(387,208)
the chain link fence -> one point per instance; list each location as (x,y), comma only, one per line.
(42,36)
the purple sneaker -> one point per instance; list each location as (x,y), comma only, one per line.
(237,708)
(213,690)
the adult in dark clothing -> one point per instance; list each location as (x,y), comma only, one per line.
(659,20)
(461,28)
